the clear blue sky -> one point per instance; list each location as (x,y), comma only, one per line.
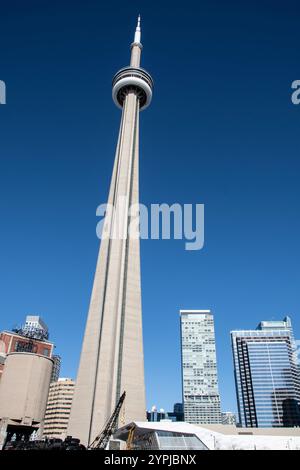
(221,131)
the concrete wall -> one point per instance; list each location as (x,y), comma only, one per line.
(24,387)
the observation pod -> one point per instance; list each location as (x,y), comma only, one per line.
(132,79)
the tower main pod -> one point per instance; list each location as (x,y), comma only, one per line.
(112,357)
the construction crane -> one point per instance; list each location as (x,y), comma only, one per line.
(130,438)
(102,439)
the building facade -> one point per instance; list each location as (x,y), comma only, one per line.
(56,368)
(267,375)
(228,418)
(26,367)
(58,408)
(35,326)
(200,391)
(112,358)
(13,342)
(24,390)
(178,411)
(158,415)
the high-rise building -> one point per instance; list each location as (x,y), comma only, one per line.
(178,411)
(201,398)
(58,408)
(56,368)
(266,375)
(35,326)
(112,359)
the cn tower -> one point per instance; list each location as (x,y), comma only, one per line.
(112,359)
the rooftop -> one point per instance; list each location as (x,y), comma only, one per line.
(218,437)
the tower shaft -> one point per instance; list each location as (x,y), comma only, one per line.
(112,352)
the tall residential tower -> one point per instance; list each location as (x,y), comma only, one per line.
(58,408)
(112,352)
(201,398)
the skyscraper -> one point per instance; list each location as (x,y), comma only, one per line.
(58,408)
(112,352)
(266,375)
(201,398)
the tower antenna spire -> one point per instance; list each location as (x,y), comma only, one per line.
(137,34)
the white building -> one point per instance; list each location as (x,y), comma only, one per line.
(35,322)
(201,398)
(167,435)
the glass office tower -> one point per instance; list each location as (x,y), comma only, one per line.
(267,375)
(201,398)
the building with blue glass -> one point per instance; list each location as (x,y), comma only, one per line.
(267,375)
